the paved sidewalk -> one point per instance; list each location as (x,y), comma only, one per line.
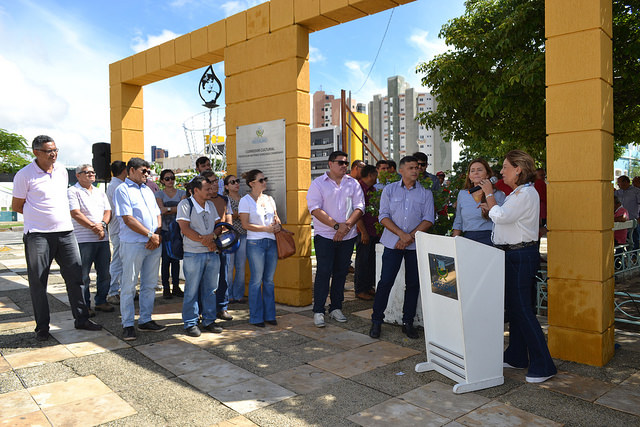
(293,374)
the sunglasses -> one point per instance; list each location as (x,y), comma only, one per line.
(341,162)
(87,172)
(145,171)
(422,164)
(262,180)
(169,178)
(234,181)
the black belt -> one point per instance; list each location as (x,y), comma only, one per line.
(516,246)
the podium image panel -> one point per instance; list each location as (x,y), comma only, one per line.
(462,298)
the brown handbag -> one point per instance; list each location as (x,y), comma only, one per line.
(286,244)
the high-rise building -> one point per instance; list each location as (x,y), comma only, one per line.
(158,153)
(394,128)
(324,141)
(326,110)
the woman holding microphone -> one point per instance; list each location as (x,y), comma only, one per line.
(516,232)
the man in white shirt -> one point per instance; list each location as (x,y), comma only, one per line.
(119,174)
(90,214)
(38,190)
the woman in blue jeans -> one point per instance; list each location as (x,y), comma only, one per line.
(238,259)
(259,217)
(516,232)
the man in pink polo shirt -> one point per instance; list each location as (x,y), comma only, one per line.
(39,193)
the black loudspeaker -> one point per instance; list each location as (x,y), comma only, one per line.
(102,161)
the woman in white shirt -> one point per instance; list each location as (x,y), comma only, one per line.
(516,232)
(259,217)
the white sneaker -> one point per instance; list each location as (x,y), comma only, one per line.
(507,365)
(318,320)
(338,316)
(536,380)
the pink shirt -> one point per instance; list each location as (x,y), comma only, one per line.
(45,208)
(338,201)
(620,236)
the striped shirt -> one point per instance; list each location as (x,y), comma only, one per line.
(92,203)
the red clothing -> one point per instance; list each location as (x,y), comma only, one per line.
(620,236)
(500,185)
(541,188)
(368,219)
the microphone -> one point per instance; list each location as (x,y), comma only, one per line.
(493,180)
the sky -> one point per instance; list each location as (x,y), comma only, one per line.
(55,56)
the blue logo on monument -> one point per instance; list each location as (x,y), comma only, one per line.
(443,276)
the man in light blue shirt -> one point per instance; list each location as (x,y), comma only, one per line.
(405,208)
(139,218)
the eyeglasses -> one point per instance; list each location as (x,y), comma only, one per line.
(341,162)
(87,172)
(54,150)
(422,165)
(262,180)
(234,181)
(145,171)
(169,178)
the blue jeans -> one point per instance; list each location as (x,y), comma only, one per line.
(169,267)
(138,261)
(238,259)
(40,250)
(222,296)
(115,269)
(483,236)
(201,271)
(332,264)
(391,261)
(527,346)
(263,258)
(98,254)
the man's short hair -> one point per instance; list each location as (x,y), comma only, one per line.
(82,167)
(408,159)
(202,160)
(117,167)
(368,170)
(355,163)
(40,140)
(136,162)
(197,182)
(421,157)
(381,162)
(623,178)
(208,175)
(392,164)
(332,156)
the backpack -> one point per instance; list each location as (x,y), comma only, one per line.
(172,239)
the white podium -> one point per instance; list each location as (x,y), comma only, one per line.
(462,293)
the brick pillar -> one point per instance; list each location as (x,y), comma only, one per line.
(127,123)
(579,117)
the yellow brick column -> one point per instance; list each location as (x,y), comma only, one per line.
(267,78)
(127,116)
(579,117)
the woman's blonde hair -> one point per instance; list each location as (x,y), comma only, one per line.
(526,163)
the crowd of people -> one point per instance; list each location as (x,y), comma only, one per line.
(506,214)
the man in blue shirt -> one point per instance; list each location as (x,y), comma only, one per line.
(139,217)
(405,208)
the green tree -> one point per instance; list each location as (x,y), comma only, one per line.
(14,154)
(490,86)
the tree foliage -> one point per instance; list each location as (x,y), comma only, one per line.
(490,85)
(14,154)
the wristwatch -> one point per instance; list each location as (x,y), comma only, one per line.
(336,226)
(149,234)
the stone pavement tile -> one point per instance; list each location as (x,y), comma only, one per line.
(577,386)
(440,398)
(19,323)
(281,340)
(364,314)
(9,381)
(12,281)
(362,359)
(4,365)
(310,350)
(328,406)
(347,339)
(498,414)
(397,413)
(617,370)
(164,349)
(97,345)
(191,361)
(250,395)
(628,340)
(303,379)
(16,403)
(238,421)
(215,376)
(92,410)
(171,308)
(172,402)
(71,336)
(72,390)
(254,357)
(8,307)
(120,369)
(625,397)
(292,320)
(309,330)
(32,419)
(45,374)
(38,356)
(292,308)
(61,321)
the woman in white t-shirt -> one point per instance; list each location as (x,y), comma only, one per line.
(259,217)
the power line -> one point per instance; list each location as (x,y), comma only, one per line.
(378,53)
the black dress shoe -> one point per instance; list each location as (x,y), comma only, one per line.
(42,335)
(177,292)
(224,315)
(375,330)
(410,331)
(89,325)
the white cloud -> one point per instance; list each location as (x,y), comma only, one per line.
(363,91)
(315,55)
(140,44)
(429,47)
